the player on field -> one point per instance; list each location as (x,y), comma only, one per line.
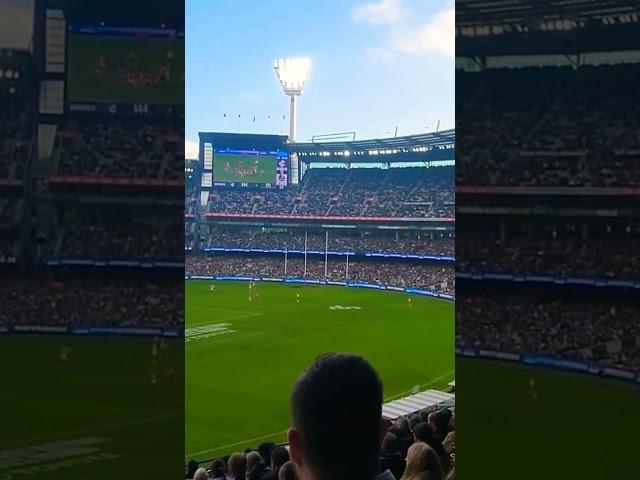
(297,298)
(65,355)
(410,302)
(212,288)
(155,349)
(100,67)
(532,386)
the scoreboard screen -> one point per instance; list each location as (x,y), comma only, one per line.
(124,70)
(250,168)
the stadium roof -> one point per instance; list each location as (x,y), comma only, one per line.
(425,141)
(474,12)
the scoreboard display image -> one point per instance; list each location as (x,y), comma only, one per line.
(122,66)
(238,168)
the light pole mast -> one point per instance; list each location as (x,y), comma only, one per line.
(293,74)
(292,119)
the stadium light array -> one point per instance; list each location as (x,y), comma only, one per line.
(292,74)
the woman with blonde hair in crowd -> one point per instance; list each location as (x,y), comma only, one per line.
(422,463)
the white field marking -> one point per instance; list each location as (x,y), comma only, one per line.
(207,331)
(251,440)
(86,431)
(271,435)
(344,307)
(239,315)
(210,329)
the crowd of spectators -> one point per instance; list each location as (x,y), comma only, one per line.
(336,433)
(627,357)
(11,210)
(16,132)
(337,241)
(413,192)
(433,277)
(7,247)
(540,323)
(551,126)
(106,234)
(564,254)
(121,150)
(191,198)
(131,300)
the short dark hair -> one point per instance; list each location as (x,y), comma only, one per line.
(424,433)
(265,449)
(279,456)
(414,420)
(192,466)
(390,444)
(218,468)
(336,405)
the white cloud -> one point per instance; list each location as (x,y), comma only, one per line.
(384,11)
(437,36)
(191,149)
(408,31)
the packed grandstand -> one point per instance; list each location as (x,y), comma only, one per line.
(547,176)
(73,188)
(376,236)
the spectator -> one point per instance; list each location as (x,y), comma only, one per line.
(256,468)
(218,470)
(336,408)
(237,467)
(390,456)
(449,443)
(422,463)
(279,457)
(201,474)
(265,449)
(404,435)
(424,433)
(288,472)
(192,466)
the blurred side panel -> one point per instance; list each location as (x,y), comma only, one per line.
(548,228)
(91,241)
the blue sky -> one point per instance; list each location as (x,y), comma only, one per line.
(376,65)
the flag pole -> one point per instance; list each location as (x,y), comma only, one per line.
(285,261)
(305,254)
(326,253)
(347,272)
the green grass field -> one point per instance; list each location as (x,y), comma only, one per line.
(242,358)
(578,427)
(85,86)
(243,168)
(113,422)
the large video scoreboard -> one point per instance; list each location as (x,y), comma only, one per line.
(125,70)
(250,168)
(244,161)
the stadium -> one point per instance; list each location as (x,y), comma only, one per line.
(351,251)
(547,328)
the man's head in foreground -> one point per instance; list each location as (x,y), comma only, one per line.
(336,408)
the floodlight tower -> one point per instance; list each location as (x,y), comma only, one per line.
(292,73)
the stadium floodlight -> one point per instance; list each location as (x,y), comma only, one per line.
(293,74)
